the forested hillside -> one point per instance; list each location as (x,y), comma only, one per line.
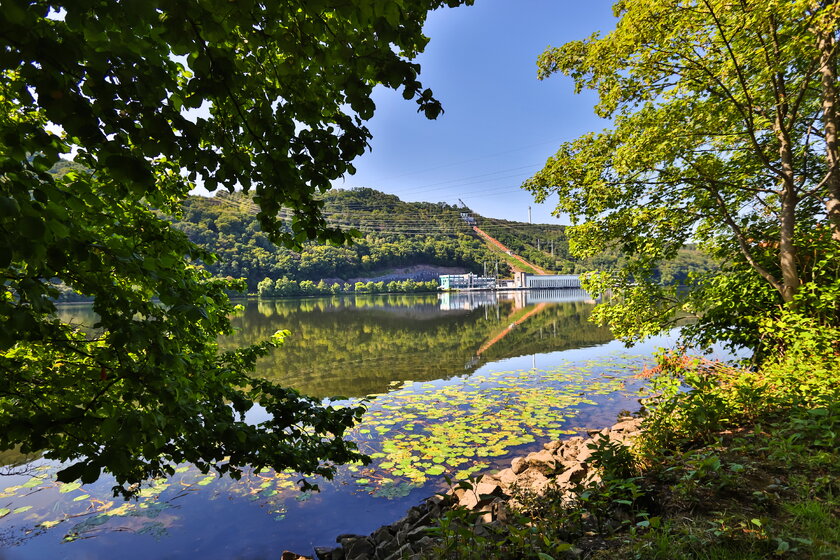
(392,235)
(547,246)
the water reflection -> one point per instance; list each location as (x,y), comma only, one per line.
(359,345)
(489,382)
(521,298)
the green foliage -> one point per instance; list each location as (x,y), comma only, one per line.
(290,288)
(765,489)
(765,492)
(282,101)
(693,399)
(707,145)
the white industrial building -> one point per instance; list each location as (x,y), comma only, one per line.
(466,282)
(537,282)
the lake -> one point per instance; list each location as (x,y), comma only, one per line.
(458,384)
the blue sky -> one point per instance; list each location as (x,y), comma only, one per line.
(500,124)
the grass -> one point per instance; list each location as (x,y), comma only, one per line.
(762,493)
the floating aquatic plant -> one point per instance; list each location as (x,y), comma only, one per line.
(416,434)
(426,430)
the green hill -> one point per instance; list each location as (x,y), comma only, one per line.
(393,236)
(396,240)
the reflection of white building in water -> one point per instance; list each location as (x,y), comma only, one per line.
(467,301)
(556,296)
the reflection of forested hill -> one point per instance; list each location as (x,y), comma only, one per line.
(359,345)
(338,349)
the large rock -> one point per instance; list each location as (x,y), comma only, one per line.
(584,454)
(543,461)
(532,480)
(552,445)
(483,493)
(358,549)
(325,552)
(518,465)
(382,535)
(572,475)
(632,425)
(570,448)
(506,477)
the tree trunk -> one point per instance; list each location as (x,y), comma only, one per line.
(828,73)
(787,249)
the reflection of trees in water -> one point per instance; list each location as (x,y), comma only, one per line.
(12,461)
(392,303)
(360,347)
(80,314)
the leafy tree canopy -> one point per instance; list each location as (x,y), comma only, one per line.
(724,131)
(150,97)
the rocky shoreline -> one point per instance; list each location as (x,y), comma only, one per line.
(561,465)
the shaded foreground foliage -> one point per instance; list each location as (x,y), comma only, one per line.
(283,93)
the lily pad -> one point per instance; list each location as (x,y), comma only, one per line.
(69,487)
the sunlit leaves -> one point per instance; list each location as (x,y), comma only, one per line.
(705,145)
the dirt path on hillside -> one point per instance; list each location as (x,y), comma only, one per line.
(498,244)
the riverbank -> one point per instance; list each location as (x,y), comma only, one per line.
(734,465)
(485,506)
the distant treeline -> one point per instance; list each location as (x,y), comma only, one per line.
(284,287)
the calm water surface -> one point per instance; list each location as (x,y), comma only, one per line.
(461,384)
